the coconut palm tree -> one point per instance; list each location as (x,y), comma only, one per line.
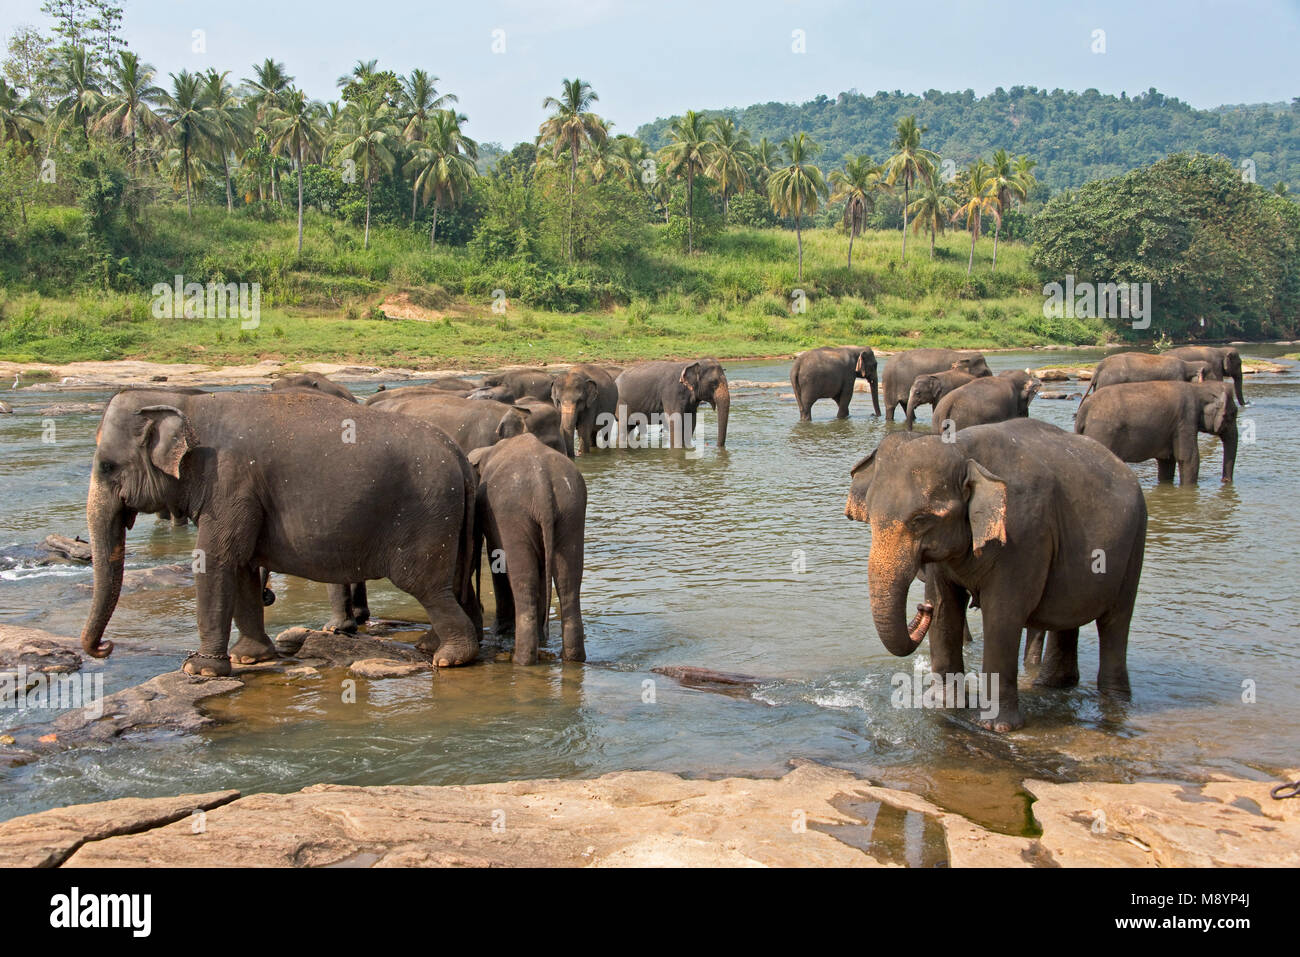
(362,71)
(182,108)
(626,157)
(933,207)
(127,109)
(798,187)
(767,159)
(420,98)
(267,88)
(367,140)
(78,95)
(293,131)
(982,202)
(909,163)
(730,158)
(443,164)
(688,154)
(570,128)
(225,120)
(20,118)
(856,184)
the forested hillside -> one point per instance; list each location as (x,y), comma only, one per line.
(1076,137)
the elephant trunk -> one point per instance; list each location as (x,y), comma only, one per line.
(1229,437)
(1236,382)
(875,394)
(106,518)
(568,423)
(722,404)
(889,579)
(913,400)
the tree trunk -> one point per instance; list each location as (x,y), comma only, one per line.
(904,220)
(573,177)
(433,230)
(798,233)
(690,210)
(970,264)
(300,201)
(932,232)
(366,244)
(851,235)
(997,228)
(414,188)
(225,168)
(185,158)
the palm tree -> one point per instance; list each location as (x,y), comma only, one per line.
(225,120)
(857,184)
(19,119)
(267,87)
(909,163)
(361,72)
(293,130)
(730,159)
(983,202)
(128,108)
(182,108)
(688,154)
(443,164)
(81,97)
(626,158)
(798,187)
(767,158)
(933,207)
(420,98)
(571,127)
(367,140)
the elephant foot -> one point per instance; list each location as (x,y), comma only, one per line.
(428,643)
(251,651)
(1115,687)
(340,626)
(206,666)
(524,657)
(1008,719)
(1057,679)
(360,615)
(451,654)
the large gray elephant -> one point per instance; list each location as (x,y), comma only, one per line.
(929,389)
(516,384)
(985,400)
(477,423)
(532,511)
(832,373)
(587,398)
(1223,362)
(1160,420)
(901,371)
(399,494)
(1144,367)
(675,390)
(1019,517)
(313,380)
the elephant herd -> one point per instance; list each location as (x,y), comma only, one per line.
(1038,528)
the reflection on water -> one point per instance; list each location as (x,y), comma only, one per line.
(740,561)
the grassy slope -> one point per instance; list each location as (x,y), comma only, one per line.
(730,301)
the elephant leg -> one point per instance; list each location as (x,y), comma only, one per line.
(342,617)
(805,407)
(268,596)
(1165,470)
(1189,468)
(253,645)
(527,571)
(499,564)
(843,400)
(949,600)
(1034,646)
(360,603)
(1112,670)
(451,639)
(568,585)
(1001,651)
(214,601)
(1060,660)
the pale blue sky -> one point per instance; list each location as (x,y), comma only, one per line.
(650,58)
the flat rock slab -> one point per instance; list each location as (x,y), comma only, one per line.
(387,668)
(50,838)
(340,649)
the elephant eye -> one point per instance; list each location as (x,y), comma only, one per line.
(106,467)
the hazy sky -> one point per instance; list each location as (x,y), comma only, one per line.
(648,59)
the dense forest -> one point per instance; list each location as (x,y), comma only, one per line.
(1076,137)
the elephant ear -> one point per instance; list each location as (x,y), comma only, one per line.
(1215,411)
(863,473)
(690,377)
(860,368)
(1030,388)
(514,422)
(592,391)
(476,457)
(986,506)
(167,437)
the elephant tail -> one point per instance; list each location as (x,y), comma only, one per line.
(465,578)
(548,570)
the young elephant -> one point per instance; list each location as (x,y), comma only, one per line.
(396,502)
(1142,367)
(981,401)
(518,384)
(1040,527)
(830,373)
(532,510)
(1223,362)
(929,389)
(675,390)
(1160,420)
(901,371)
(313,380)
(475,423)
(587,398)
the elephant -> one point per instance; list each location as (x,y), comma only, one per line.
(901,371)
(587,398)
(1224,362)
(396,502)
(1160,420)
(384,396)
(517,383)
(985,400)
(674,390)
(476,423)
(831,373)
(1143,367)
(929,389)
(532,512)
(1017,518)
(312,380)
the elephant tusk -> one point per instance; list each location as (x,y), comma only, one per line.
(920,623)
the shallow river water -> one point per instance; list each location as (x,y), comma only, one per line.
(740,561)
